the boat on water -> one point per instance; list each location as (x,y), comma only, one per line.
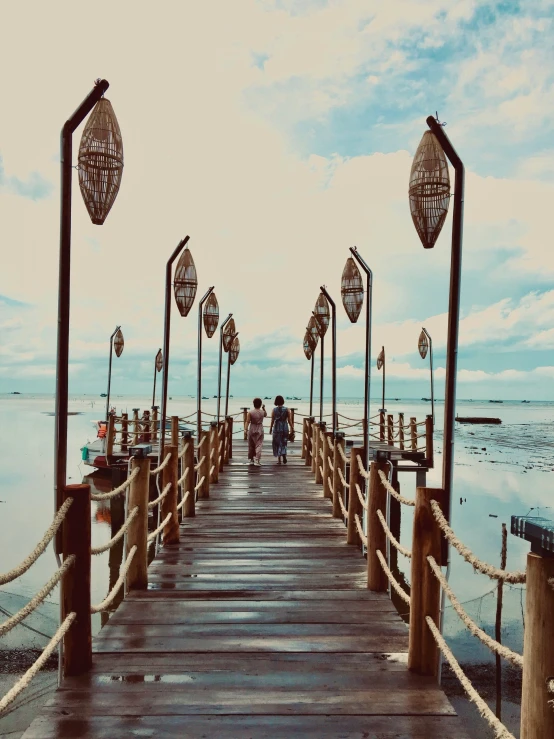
(478,419)
(496,401)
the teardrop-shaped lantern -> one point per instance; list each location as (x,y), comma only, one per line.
(100,161)
(159,360)
(118,343)
(322,314)
(234,351)
(211,315)
(308,351)
(229,334)
(185,282)
(423,345)
(429,189)
(381,359)
(313,333)
(352,290)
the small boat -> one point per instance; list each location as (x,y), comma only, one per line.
(478,419)
(205,397)
(428,400)
(103,395)
(496,401)
(525,401)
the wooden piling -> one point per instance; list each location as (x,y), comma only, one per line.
(155,422)
(429,441)
(377,539)
(382,425)
(401,431)
(204,468)
(537,716)
(75,587)
(228,438)
(327,448)
(187,463)
(124,432)
(390,429)
(315,431)
(137,576)
(169,503)
(305,427)
(136,426)
(175,431)
(309,442)
(110,436)
(354,507)
(413,433)
(423,654)
(214,452)
(321,429)
(338,464)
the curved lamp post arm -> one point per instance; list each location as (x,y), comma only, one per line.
(321,371)
(430,340)
(228,376)
(110,372)
(209,291)
(334,355)
(225,322)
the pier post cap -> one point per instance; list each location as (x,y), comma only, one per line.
(213,424)
(187,434)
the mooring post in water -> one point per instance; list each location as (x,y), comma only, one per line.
(137,576)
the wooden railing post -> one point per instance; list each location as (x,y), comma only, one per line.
(75,589)
(124,432)
(338,464)
(429,457)
(244,414)
(204,468)
(305,428)
(390,429)
(187,463)
(110,436)
(154,423)
(315,431)
(321,429)
(413,433)
(537,716)
(354,507)
(382,425)
(377,539)
(169,503)
(136,426)
(292,419)
(214,453)
(327,451)
(309,441)
(423,655)
(228,439)
(401,431)
(175,431)
(137,577)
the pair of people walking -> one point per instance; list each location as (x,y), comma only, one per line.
(279,428)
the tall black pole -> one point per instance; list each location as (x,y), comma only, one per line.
(368,319)
(199,370)
(155,373)
(62,354)
(453,311)
(384,371)
(167,331)
(110,373)
(430,340)
(312,384)
(225,322)
(228,376)
(334,356)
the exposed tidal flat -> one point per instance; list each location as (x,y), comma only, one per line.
(499,472)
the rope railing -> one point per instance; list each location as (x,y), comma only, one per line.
(321,470)
(343,481)
(200,463)
(486,569)
(122,531)
(161,496)
(361,497)
(395,494)
(343,508)
(201,442)
(394,583)
(160,528)
(342,454)
(49,534)
(184,450)
(186,496)
(330,464)
(390,536)
(184,476)
(108,600)
(116,491)
(199,484)
(361,467)
(212,468)
(331,487)
(162,466)
(360,529)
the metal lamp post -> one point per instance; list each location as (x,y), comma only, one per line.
(334,356)
(310,344)
(209,316)
(100,172)
(381,364)
(233,355)
(158,364)
(321,315)
(227,322)
(425,344)
(117,341)
(429,194)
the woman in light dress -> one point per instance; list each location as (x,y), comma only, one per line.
(280,419)
(255,428)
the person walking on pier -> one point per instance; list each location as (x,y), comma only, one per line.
(255,428)
(280,420)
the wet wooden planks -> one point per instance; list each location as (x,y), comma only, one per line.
(257,624)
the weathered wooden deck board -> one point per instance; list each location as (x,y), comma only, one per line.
(257,624)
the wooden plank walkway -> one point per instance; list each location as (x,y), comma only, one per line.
(258,624)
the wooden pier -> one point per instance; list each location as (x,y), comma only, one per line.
(258,623)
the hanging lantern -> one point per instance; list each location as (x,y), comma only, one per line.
(313,333)
(100,161)
(211,315)
(229,333)
(423,345)
(308,351)
(429,189)
(352,290)
(234,350)
(118,343)
(159,361)
(322,314)
(381,359)
(185,282)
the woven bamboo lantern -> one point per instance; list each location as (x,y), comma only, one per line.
(423,345)
(159,361)
(118,343)
(100,161)
(429,189)
(381,359)
(352,290)
(308,351)
(211,315)
(322,314)
(313,332)
(234,351)
(229,333)
(185,282)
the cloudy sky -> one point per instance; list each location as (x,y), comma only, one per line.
(278,133)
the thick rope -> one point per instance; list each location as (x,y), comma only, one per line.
(118,536)
(161,496)
(361,467)
(185,498)
(359,526)
(155,533)
(117,491)
(507,654)
(390,537)
(162,466)
(321,470)
(212,468)
(39,597)
(500,731)
(201,442)
(396,585)
(361,498)
(197,467)
(330,464)
(48,651)
(108,600)
(331,488)
(342,454)
(184,450)
(343,508)
(182,479)
(346,485)
(22,567)
(487,569)
(199,484)
(321,452)
(395,494)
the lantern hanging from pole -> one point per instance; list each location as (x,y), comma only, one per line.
(381,359)
(159,360)
(118,343)
(308,351)
(185,283)
(429,189)
(313,332)
(211,315)
(229,333)
(352,290)
(234,350)
(423,345)
(322,314)
(100,161)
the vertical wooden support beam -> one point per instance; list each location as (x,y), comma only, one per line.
(352,536)
(382,425)
(214,452)
(537,716)
(429,457)
(377,539)
(229,444)
(309,442)
(321,429)
(413,433)
(292,418)
(204,468)
(155,423)
(244,414)
(327,447)
(76,582)
(136,426)
(110,436)
(124,432)
(137,577)
(175,431)
(315,431)
(222,444)
(304,438)
(401,431)
(338,464)
(390,429)
(187,463)
(423,655)
(169,503)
